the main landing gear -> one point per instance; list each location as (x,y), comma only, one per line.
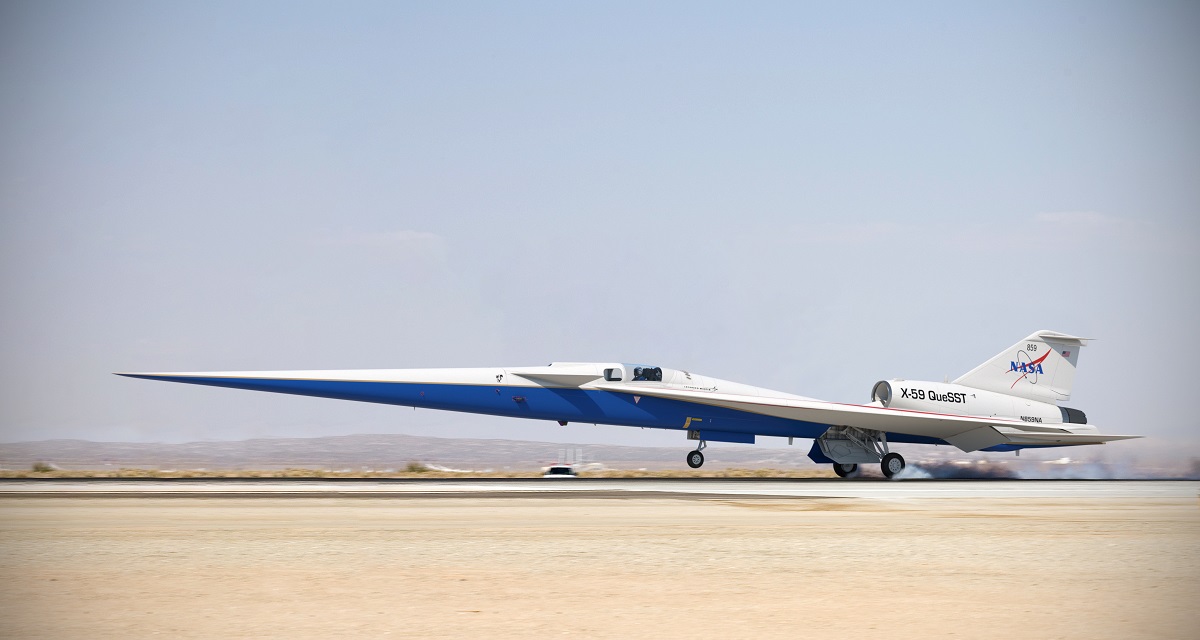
(695,459)
(848,447)
(845,470)
(891,464)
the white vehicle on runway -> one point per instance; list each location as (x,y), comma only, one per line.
(1008,403)
(560,471)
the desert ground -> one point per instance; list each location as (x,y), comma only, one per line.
(656,565)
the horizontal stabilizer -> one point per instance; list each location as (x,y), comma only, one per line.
(976,439)
(1025,437)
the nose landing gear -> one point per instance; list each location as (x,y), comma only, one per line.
(695,459)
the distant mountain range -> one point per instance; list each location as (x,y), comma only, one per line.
(377,452)
(393,452)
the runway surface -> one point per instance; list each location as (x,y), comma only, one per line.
(599,559)
(603,488)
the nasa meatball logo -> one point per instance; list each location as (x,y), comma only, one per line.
(1026,366)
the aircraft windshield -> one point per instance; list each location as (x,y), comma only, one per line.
(647,374)
(634,373)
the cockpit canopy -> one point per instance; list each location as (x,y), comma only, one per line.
(633,373)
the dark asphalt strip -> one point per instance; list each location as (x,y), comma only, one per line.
(403,495)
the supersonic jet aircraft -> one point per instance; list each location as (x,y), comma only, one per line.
(1005,404)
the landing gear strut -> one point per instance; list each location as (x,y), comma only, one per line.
(695,459)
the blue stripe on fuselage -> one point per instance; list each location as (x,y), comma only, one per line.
(538,403)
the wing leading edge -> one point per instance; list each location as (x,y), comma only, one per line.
(968,433)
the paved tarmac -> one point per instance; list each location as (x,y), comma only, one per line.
(659,558)
(603,488)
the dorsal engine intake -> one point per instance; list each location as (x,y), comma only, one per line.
(954,399)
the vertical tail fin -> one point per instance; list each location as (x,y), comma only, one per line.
(1040,367)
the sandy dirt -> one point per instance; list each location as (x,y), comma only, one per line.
(585,567)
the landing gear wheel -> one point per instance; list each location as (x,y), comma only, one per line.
(845,470)
(695,459)
(892,464)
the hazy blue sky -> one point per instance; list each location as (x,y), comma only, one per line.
(803,196)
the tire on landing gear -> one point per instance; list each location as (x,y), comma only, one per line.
(695,459)
(845,470)
(892,464)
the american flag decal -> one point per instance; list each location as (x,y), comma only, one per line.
(1066,354)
